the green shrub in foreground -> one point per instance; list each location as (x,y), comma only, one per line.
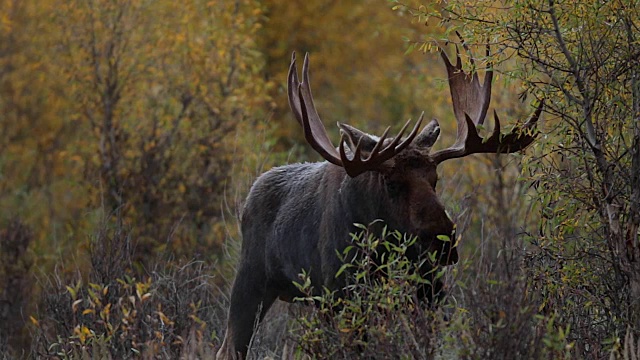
(378,313)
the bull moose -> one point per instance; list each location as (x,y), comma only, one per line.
(298,216)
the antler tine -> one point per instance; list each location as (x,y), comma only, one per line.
(304,110)
(467,95)
(488,78)
(409,138)
(302,105)
(378,146)
(516,140)
(357,165)
(326,150)
(292,89)
(470,104)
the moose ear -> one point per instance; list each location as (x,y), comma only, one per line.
(355,136)
(428,135)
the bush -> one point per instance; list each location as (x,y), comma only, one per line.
(501,315)
(484,314)
(122,312)
(164,315)
(378,312)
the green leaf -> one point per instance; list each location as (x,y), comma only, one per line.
(444,238)
(342,269)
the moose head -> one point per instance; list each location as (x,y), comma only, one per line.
(298,216)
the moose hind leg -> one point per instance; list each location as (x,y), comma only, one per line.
(250,300)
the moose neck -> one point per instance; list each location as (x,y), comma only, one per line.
(365,199)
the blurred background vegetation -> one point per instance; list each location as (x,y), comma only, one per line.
(131,130)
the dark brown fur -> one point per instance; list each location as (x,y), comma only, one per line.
(297,216)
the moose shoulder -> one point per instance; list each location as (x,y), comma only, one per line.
(297,216)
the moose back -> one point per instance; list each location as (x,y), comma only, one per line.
(296,217)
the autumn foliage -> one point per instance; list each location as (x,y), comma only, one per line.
(131,130)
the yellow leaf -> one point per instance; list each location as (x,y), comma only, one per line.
(71,291)
(104,314)
(88,311)
(164,318)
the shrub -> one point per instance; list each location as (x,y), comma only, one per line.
(484,314)
(120,311)
(163,315)
(378,312)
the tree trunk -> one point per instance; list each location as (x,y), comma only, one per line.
(634,308)
(632,236)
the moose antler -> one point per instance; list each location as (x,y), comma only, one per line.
(301,103)
(470,104)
